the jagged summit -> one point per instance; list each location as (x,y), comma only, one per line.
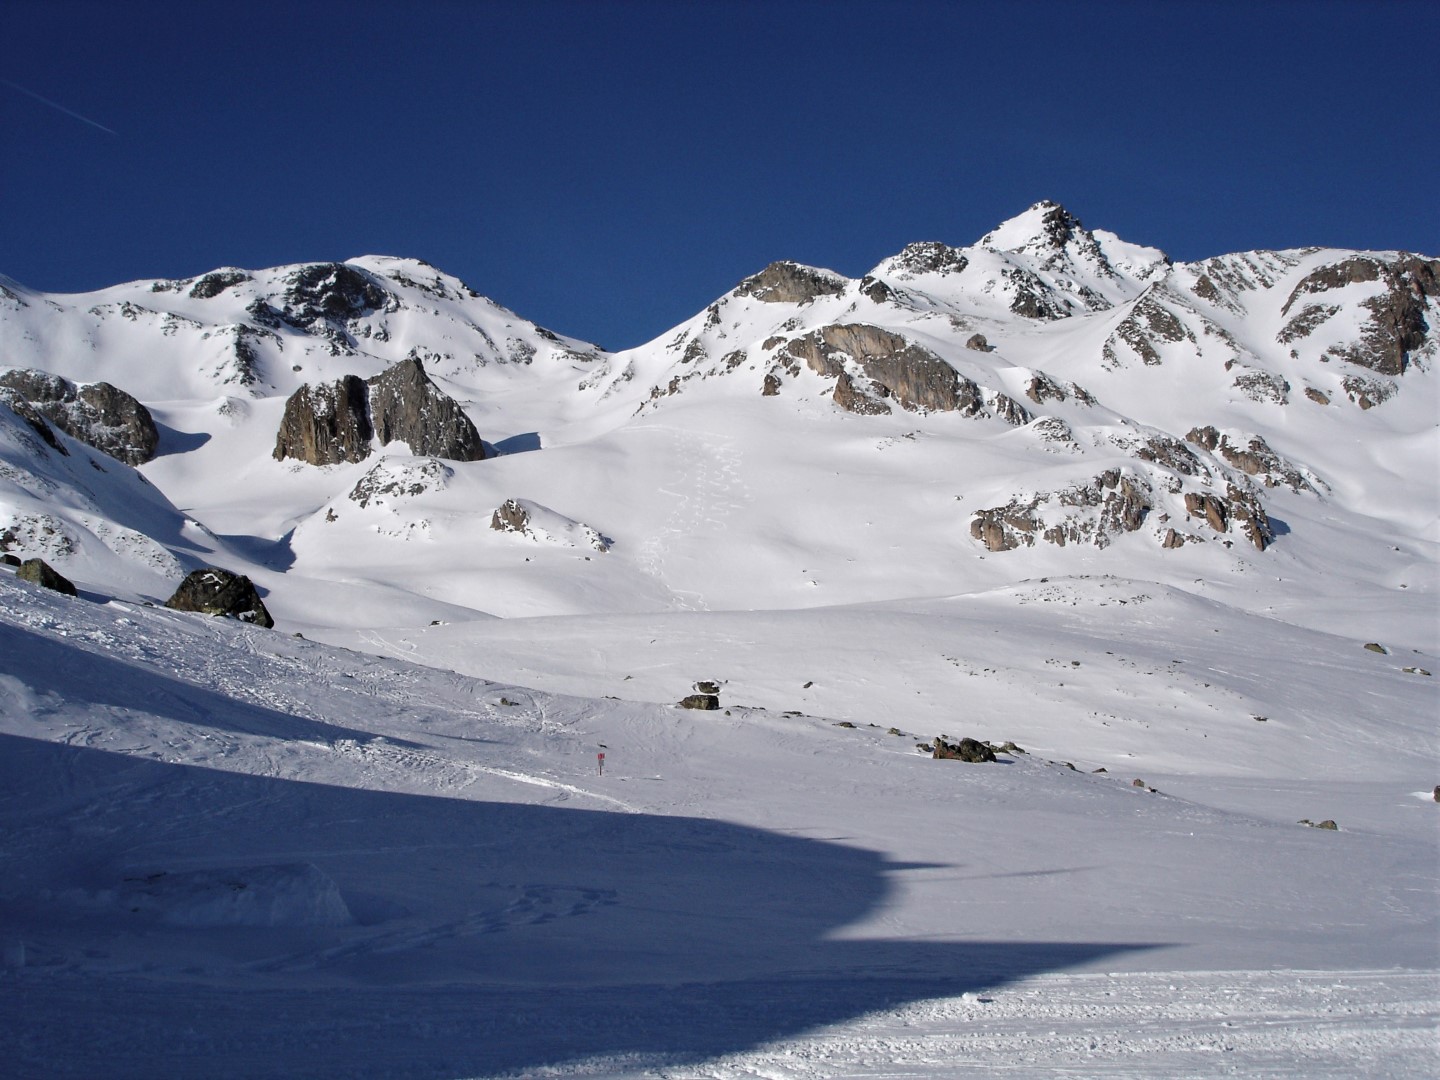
(1046,224)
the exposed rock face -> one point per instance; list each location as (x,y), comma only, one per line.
(791,283)
(930,257)
(1031,297)
(20,405)
(328,424)
(1094,513)
(1254,458)
(406,406)
(330,291)
(965,750)
(97,414)
(39,572)
(214,591)
(1147,324)
(510,516)
(216,282)
(391,480)
(890,366)
(1241,507)
(876,289)
(1396,326)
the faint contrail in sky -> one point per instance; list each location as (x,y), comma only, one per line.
(57,105)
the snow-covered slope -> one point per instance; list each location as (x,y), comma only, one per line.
(1174,525)
(394,870)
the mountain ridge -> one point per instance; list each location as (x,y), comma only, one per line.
(1092,394)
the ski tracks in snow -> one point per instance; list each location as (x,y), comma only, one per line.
(704,489)
(1191,1024)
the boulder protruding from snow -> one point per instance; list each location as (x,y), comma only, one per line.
(707,702)
(39,572)
(965,750)
(97,414)
(541,524)
(214,591)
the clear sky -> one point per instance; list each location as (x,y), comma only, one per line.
(609,168)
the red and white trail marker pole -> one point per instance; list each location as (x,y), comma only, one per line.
(600,760)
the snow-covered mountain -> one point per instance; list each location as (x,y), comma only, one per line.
(1039,398)
(1173,528)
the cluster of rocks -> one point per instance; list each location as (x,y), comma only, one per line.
(1093,512)
(330,423)
(210,590)
(705,697)
(97,414)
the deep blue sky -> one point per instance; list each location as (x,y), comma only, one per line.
(608,169)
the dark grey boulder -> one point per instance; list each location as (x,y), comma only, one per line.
(700,701)
(965,750)
(97,414)
(213,591)
(39,572)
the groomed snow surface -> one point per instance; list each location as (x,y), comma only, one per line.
(234,852)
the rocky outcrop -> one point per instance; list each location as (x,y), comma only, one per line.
(216,282)
(510,516)
(405,406)
(1146,326)
(1031,298)
(1396,325)
(872,366)
(971,750)
(39,572)
(1094,512)
(929,257)
(332,423)
(1237,506)
(330,291)
(213,591)
(791,283)
(1254,458)
(392,480)
(97,414)
(326,424)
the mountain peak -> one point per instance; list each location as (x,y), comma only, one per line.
(1046,224)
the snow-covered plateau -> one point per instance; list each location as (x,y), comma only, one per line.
(1163,536)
